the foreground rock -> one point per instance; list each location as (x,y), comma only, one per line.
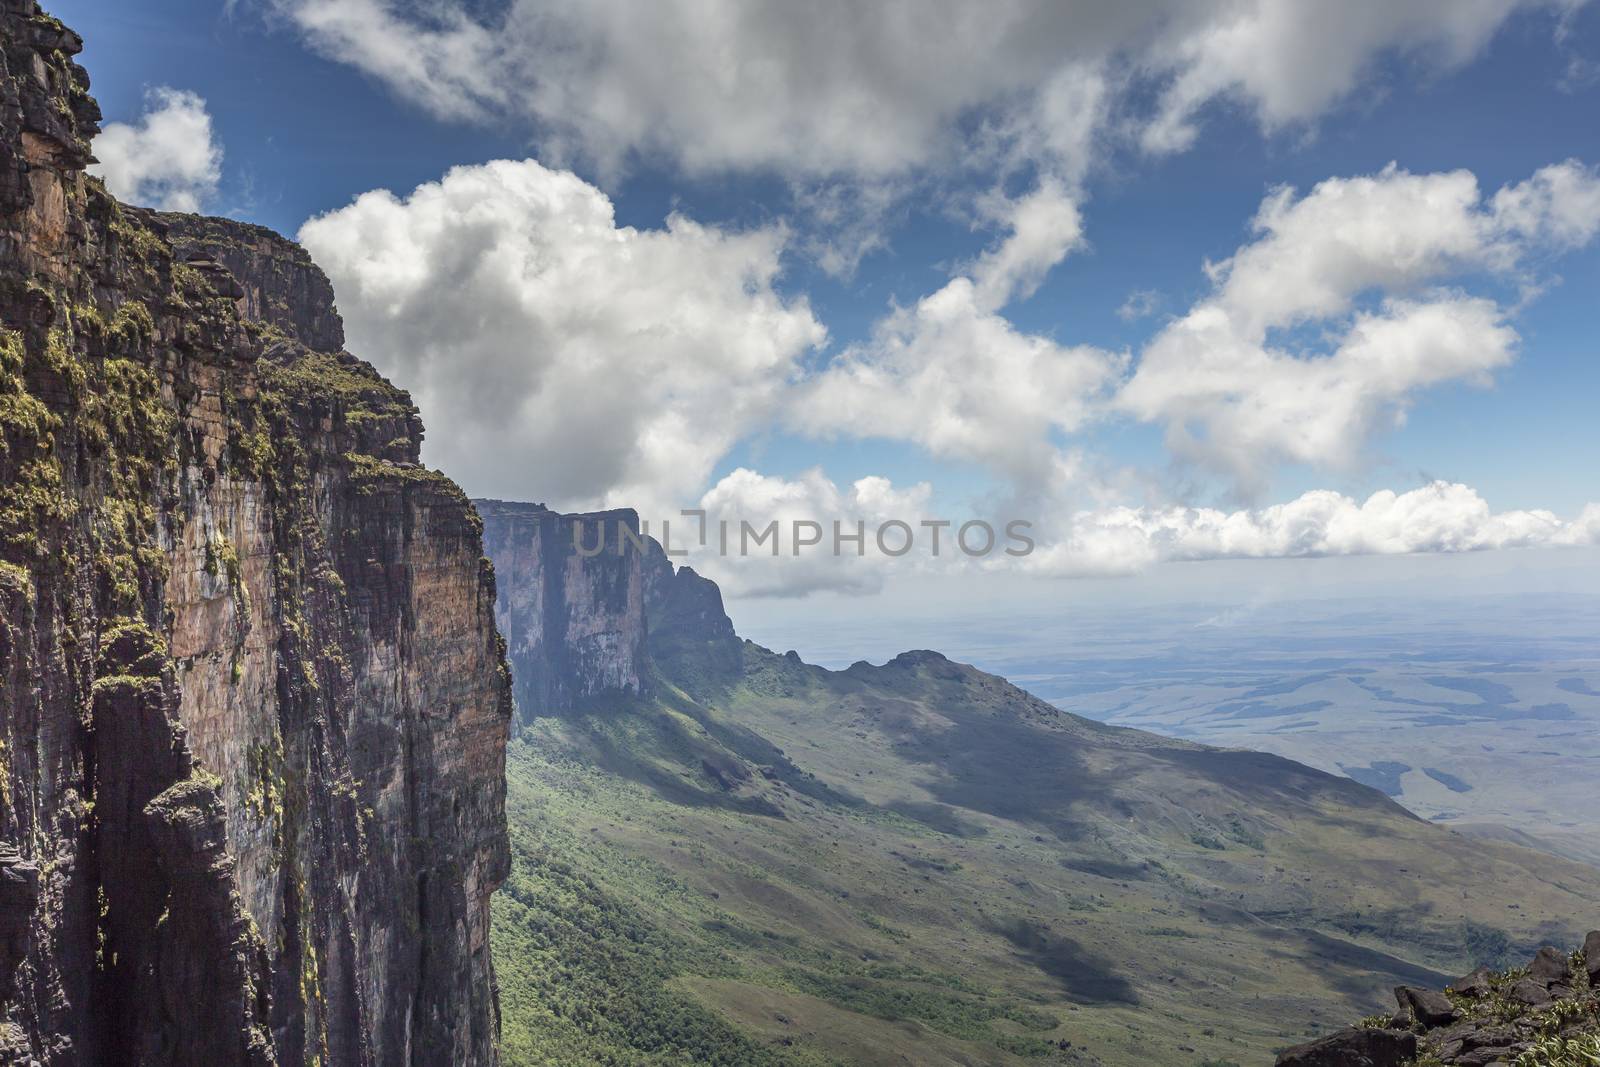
(1354,1048)
(1546,1014)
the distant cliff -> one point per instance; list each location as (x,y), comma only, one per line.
(574,625)
(254,705)
(582,603)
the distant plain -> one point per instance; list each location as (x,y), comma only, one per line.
(1481,713)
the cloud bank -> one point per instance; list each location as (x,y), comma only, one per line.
(878,89)
(1113,541)
(1439,517)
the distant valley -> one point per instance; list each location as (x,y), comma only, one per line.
(308,759)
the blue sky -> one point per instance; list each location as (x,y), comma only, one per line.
(311,110)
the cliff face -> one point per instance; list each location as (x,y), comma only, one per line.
(254,705)
(583,604)
(277,284)
(573,623)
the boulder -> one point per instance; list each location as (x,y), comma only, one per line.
(1550,966)
(1473,1040)
(1354,1048)
(1429,1007)
(1477,984)
(1484,1057)
(1498,1036)
(1453,1040)
(1532,993)
(1591,957)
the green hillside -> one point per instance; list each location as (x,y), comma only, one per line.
(766,862)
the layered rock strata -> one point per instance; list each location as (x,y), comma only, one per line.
(253,707)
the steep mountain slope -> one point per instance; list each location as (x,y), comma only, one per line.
(918,862)
(253,708)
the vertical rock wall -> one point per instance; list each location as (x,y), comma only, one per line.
(574,624)
(253,707)
(585,607)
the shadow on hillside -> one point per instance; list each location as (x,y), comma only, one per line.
(940,817)
(645,749)
(1353,970)
(1085,976)
(1008,769)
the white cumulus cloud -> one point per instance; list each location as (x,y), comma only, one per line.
(168,159)
(963,383)
(955,376)
(556,355)
(1241,385)
(1290,59)
(741,506)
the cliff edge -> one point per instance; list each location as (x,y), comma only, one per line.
(255,708)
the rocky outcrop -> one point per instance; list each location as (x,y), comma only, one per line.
(685,604)
(1545,1013)
(255,708)
(1354,1048)
(1426,1006)
(275,282)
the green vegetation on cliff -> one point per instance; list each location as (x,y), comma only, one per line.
(234,828)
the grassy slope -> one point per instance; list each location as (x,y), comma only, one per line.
(920,863)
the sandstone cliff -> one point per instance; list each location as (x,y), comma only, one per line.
(584,599)
(573,624)
(253,707)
